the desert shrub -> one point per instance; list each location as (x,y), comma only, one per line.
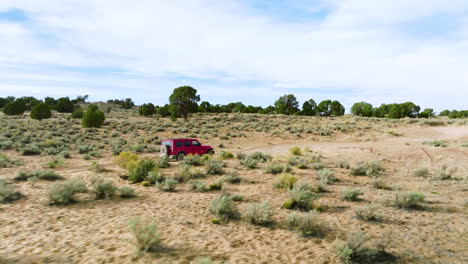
(86,149)
(408,199)
(62,193)
(423,172)
(259,213)
(192,160)
(296,151)
(30,150)
(124,158)
(216,185)
(168,185)
(299,162)
(8,193)
(353,248)
(199,186)
(103,189)
(318,166)
(163,162)
(77,114)
(261,157)
(368,213)
(367,168)
(155,177)
(285,181)
(22,175)
(232,177)
(205,157)
(225,155)
(379,183)
(241,156)
(140,171)
(93,117)
(301,197)
(306,224)
(146,235)
(436,143)
(274,168)
(5,162)
(126,192)
(249,162)
(342,164)
(351,194)
(444,173)
(215,167)
(47,175)
(326,176)
(224,208)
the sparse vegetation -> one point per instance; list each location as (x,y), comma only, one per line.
(259,213)
(146,235)
(306,224)
(368,213)
(351,194)
(62,193)
(408,199)
(224,208)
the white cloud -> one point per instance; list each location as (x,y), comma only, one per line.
(357,46)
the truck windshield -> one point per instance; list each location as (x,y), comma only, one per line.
(167,143)
(195,143)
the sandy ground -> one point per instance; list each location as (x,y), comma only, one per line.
(97,231)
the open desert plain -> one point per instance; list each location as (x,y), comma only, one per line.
(279,189)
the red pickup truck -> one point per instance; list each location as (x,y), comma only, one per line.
(180,147)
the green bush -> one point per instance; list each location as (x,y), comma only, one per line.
(140,171)
(146,235)
(164,162)
(155,177)
(342,164)
(261,157)
(285,181)
(351,194)
(168,185)
(41,111)
(30,150)
(306,224)
(78,114)
(8,193)
(47,175)
(326,176)
(259,213)
(215,167)
(274,168)
(14,108)
(93,117)
(62,193)
(126,192)
(232,177)
(103,189)
(408,199)
(379,183)
(216,185)
(224,208)
(371,169)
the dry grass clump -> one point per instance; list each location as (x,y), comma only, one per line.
(146,235)
(326,176)
(47,175)
(126,192)
(379,183)
(259,213)
(199,186)
(224,208)
(423,172)
(306,224)
(192,160)
(371,169)
(342,164)
(225,155)
(436,143)
(445,173)
(274,168)
(368,213)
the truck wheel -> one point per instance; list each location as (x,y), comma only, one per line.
(180,156)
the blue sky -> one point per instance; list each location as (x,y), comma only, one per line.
(246,50)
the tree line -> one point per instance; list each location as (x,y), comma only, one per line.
(184,101)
